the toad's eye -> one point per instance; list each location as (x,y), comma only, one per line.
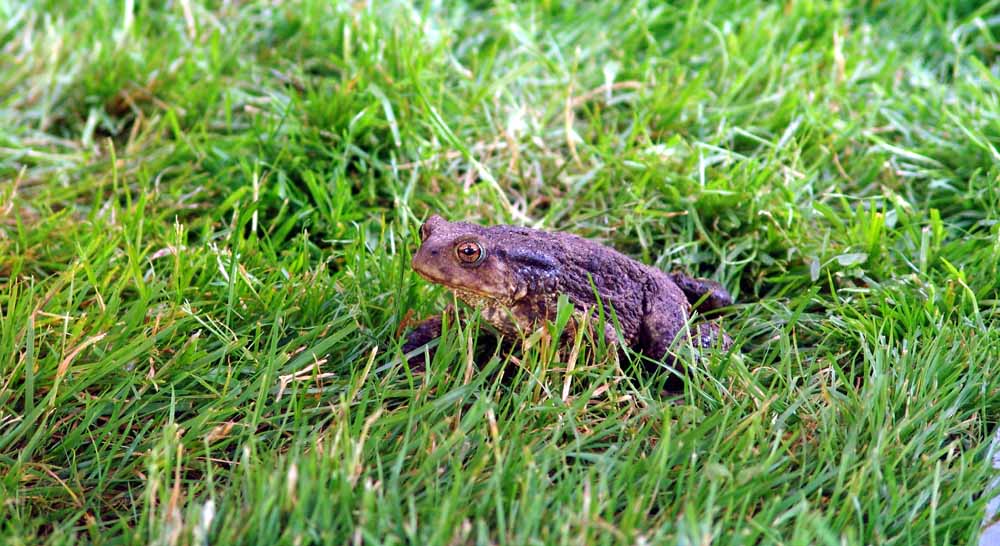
(425,231)
(469,253)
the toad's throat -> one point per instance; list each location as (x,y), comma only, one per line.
(495,311)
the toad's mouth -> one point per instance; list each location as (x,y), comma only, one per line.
(447,283)
(462,291)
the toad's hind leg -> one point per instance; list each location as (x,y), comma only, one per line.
(662,324)
(706,293)
(665,326)
(708,334)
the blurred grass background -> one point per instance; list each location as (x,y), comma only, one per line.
(207,212)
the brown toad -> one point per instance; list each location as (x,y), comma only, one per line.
(515,275)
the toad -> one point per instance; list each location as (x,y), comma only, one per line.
(515,275)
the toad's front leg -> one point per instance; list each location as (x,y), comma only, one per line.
(425,332)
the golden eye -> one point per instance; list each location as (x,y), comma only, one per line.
(469,253)
(425,231)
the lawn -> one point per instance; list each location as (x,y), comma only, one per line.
(207,215)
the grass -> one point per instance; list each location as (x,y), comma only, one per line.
(207,213)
